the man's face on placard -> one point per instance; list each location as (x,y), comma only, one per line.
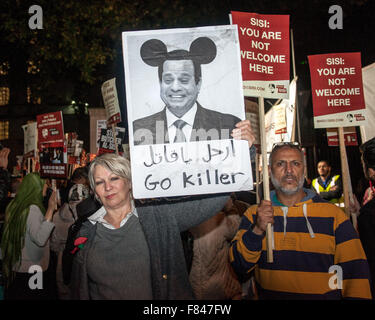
(178,88)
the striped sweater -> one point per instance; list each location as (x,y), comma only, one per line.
(303,259)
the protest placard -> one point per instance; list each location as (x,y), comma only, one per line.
(70,138)
(338,102)
(53,153)
(193,75)
(100,124)
(337,90)
(74,150)
(280,118)
(368,77)
(107,141)
(110,98)
(264,43)
(350,137)
(30,139)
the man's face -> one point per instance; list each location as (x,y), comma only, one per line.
(178,89)
(287,171)
(324,169)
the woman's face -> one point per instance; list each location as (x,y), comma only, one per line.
(112,190)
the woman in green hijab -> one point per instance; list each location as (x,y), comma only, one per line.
(24,244)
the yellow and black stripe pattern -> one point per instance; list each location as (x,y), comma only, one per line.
(301,263)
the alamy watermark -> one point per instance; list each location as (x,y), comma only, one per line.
(335,22)
(335,281)
(36,20)
(36,280)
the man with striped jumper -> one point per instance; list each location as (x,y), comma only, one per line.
(312,239)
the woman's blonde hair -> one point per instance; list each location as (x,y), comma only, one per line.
(112,162)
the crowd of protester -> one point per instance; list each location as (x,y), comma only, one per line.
(95,241)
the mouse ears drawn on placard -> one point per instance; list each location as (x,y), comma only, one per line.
(202,51)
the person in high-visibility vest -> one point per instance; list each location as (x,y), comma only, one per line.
(328,186)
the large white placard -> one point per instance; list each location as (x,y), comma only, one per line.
(213,162)
(368,76)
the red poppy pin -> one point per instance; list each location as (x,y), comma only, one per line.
(79,242)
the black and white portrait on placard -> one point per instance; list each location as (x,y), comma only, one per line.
(190,89)
(182,86)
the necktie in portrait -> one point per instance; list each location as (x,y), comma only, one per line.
(180,137)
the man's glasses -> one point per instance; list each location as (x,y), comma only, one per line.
(294,144)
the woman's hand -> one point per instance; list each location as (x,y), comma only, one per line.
(4,158)
(243,131)
(52,206)
(369,194)
(354,207)
(52,201)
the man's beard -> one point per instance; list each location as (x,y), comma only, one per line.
(287,191)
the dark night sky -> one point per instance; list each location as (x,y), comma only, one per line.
(308,19)
(312,35)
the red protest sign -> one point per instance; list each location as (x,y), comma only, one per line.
(52,150)
(350,137)
(337,90)
(50,129)
(264,44)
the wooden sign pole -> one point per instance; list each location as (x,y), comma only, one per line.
(54,189)
(346,181)
(266,189)
(257,177)
(296,124)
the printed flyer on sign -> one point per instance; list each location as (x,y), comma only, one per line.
(52,150)
(74,148)
(184,96)
(279,120)
(30,139)
(110,98)
(337,90)
(350,137)
(264,43)
(107,141)
(100,124)
(368,77)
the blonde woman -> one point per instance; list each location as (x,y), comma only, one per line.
(129,252)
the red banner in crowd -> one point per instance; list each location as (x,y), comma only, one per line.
(264,44)
(52,150)
(50,129)
(350,137)
(337,90)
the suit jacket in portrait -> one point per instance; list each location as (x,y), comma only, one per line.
(215,125)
